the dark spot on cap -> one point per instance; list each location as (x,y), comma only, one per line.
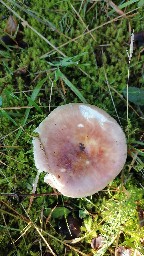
(81,146)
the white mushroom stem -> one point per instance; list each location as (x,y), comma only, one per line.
(36,182)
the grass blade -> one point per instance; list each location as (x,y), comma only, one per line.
(31,103)
(5,114)
(59,74)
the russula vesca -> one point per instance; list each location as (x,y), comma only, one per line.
(81,147)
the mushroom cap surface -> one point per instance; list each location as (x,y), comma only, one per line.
(81,147)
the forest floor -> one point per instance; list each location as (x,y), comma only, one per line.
(53,53)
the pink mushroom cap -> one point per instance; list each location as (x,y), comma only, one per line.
(81,147)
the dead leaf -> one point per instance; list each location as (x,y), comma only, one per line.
(122,251)
(11,26)
(97,242)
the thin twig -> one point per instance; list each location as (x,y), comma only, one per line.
(115,7)
(52,85)
(39,232)
(87,32)
(8,231)
(15,108)
(108,85)
(130,53)
(17,195)
(86,27)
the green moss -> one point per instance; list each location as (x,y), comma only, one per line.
(113,212)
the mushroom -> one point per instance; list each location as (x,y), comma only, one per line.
(81,148)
